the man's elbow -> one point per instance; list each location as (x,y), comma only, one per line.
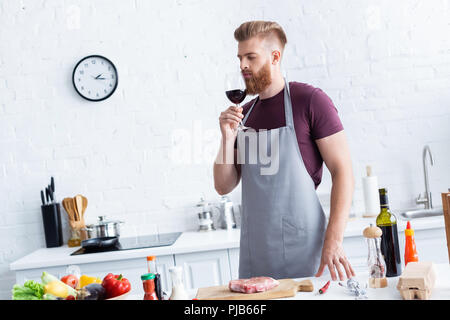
(221,190)
(345,174)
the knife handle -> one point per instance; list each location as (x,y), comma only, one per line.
(50,193)
(47,195)
(52,184)
(42,198)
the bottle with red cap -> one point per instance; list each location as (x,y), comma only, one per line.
(410,245)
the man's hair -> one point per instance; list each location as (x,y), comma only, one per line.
(259,28)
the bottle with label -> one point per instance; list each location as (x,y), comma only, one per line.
(410,245)
(148,281)
(390,249)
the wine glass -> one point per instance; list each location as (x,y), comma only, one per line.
(235,91)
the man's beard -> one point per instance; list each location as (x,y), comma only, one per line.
(259,81)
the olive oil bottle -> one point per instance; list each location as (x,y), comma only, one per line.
(390,249)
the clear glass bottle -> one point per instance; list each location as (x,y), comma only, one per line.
(375,261)
(178,290)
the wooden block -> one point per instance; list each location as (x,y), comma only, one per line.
(378,282)
(417,280)
(412,294)
(286,288)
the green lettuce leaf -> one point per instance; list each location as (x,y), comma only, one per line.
(31,290)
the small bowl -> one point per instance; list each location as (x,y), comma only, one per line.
(121,297)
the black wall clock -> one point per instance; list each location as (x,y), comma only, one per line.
(95,78)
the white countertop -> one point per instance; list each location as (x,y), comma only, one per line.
(190,241)
(441,290)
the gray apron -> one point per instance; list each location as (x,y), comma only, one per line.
(282,221)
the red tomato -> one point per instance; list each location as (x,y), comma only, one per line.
(70,280)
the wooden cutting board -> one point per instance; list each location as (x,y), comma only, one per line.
(286,288)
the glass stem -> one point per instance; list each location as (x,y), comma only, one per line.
(240,121)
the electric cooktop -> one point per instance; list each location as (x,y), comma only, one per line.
(129,243)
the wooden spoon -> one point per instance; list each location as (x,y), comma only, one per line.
(85,203)
(75,209)
(81,203)
(67,206)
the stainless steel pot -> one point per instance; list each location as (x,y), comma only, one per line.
(103,228)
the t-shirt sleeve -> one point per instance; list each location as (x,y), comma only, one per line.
(324,119)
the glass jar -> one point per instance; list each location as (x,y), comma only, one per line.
(75,240)
(148,281)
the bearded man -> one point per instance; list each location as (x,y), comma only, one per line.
(284,231)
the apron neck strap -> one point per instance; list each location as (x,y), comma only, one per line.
(287,107)
(249,111)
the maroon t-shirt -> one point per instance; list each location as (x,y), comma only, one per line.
(315,117)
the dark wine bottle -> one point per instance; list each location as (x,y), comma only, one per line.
(390,249)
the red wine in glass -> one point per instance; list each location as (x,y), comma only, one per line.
(236,96)
(234,90)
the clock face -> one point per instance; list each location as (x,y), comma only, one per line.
(95,78)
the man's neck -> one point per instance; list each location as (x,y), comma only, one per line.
(275,87)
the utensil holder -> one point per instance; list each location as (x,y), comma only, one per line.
(51,218)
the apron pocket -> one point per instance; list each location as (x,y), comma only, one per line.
(296,250)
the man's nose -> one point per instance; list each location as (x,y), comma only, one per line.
(244,66)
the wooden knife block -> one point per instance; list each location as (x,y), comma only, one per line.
(417,281)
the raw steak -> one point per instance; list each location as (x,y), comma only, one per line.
(252,285)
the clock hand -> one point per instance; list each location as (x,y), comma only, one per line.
(98,76)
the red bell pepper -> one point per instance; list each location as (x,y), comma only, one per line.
(115,285)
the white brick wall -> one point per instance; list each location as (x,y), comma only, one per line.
(385,64)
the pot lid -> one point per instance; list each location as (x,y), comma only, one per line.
(102,221)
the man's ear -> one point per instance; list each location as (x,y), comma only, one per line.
(276,57)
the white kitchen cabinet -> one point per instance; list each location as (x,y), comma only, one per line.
(431,244)
(204,269)
(233,256)
(356,250)
(35,274)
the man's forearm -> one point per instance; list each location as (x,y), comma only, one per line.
(226,176)
(341,200)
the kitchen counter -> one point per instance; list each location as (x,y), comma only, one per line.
(441,289)
(190,241)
